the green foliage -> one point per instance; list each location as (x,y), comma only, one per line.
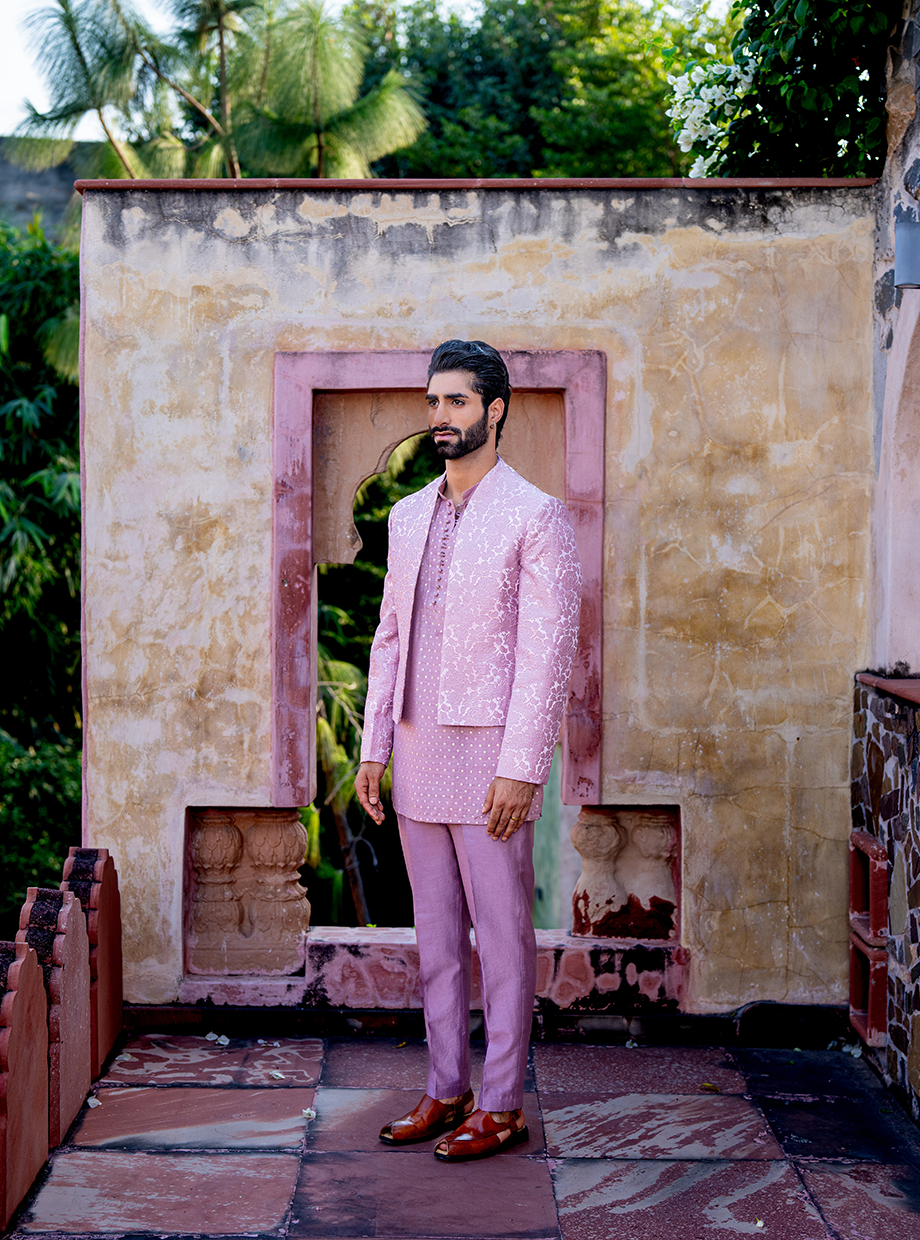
(612,118)
(803,95)
(39,565)
(476,78)
(39,819)
(39,489)
(530,87)
(241,87)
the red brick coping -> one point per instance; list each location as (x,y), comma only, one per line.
(909,690)
(523,183)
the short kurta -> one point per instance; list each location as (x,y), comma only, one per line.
(441,772)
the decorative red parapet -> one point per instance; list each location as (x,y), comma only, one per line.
(52,922)
(23,1075)
(869,888)
(90,874)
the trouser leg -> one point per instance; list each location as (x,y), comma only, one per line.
(498,880)
(442,927)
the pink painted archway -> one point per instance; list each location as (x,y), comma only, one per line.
(581,377)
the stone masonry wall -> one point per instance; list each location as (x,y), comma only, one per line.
(886,756)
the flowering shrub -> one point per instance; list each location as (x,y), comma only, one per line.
(705,101)
(802,95)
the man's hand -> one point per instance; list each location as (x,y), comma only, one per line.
(367,786)
(507,804)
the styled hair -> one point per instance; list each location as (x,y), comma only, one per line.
(489,372)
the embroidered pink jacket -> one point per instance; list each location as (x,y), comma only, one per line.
(511,627)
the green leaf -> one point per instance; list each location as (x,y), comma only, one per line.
(4,334)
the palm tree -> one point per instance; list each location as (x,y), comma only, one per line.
(79,47)
(303,111)
(242,87)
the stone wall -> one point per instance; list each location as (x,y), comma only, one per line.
(886,755)
(735,322)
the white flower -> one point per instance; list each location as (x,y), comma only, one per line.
(710,48)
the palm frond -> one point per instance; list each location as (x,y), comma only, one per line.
(319,64)
(382,121)
(62,343)
(36,154)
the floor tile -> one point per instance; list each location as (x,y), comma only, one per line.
(655,1126)
(173,1059)
(788,1073)
(392,1196)
(866,1201)
(389,1063)
(834,1127)
(351,1119)
(683,1201)
(216,1194)
(145,1118)
(564,1067)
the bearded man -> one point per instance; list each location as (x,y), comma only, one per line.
(469,674)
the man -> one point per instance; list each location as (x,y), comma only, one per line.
(469,673)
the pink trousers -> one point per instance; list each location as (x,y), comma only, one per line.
(459,875)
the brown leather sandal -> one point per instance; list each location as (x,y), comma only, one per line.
(429,1119)
(481,1136)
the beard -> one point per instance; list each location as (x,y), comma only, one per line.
(466,441)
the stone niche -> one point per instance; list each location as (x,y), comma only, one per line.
(629,887)
(246,912)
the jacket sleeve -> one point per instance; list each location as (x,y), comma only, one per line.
(377,738)
(549,603)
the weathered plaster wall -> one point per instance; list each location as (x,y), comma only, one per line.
(737,327)
(895,634)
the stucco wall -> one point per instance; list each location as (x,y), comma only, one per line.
(738,331)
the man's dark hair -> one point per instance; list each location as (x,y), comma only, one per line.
(490,374)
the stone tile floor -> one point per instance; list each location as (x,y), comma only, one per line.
(279,1138)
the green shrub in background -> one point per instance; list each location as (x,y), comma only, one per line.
(40,724)
(39,819)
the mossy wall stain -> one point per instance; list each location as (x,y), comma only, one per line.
(737,328)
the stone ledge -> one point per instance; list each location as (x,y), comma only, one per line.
(907,689)
(377,967)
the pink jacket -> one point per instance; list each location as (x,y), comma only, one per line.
(511,627)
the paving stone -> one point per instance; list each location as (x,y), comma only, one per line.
(649,1200)
(150,1118)
(390,1063)
(787,1073)
(173,1059)
(866,1201)
(101,1191)
(563,1067)
(392,1196)
(655,1126)
(822,1127)
(351,1119)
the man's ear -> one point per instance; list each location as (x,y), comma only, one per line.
(496,409)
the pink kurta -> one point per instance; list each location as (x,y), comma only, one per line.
(441,773)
